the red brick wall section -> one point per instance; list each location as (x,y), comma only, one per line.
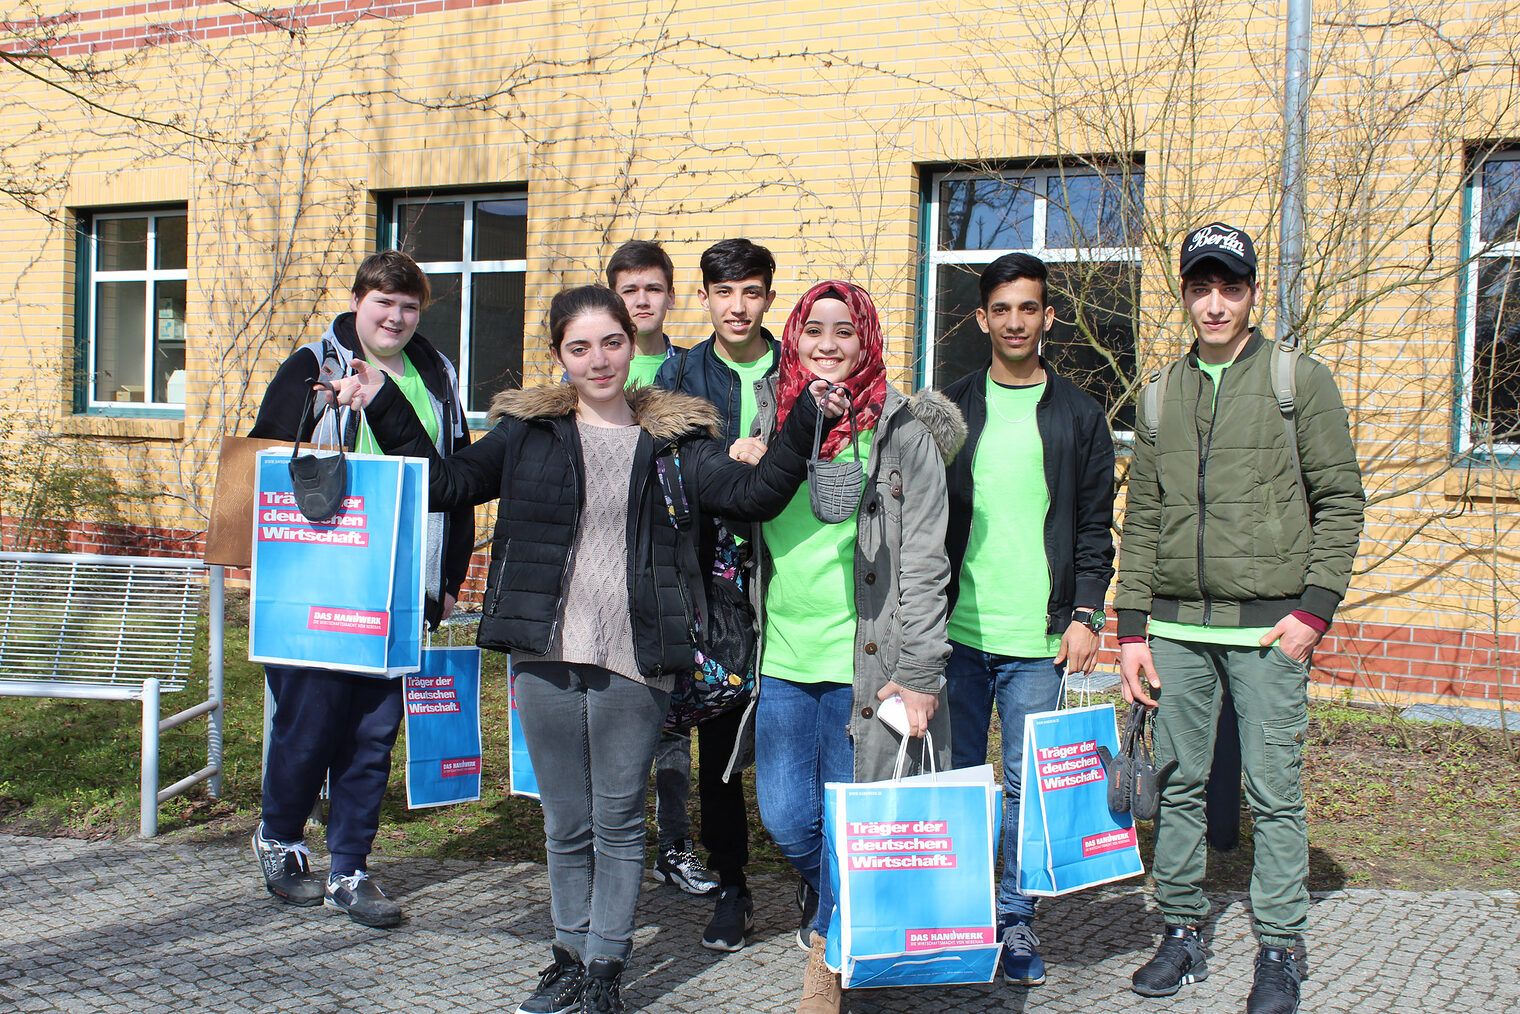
(164,22)
(1375,662)
(1383,664)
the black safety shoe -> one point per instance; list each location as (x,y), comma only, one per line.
(560,986)
(1178,961)
(365,903)
(733,919)
(287,870)
(604,980)
(807,904)
(1275,988)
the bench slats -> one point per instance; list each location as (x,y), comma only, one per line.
(78,620)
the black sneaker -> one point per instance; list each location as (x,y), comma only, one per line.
(1178,961)
(560,986)
(365,903)
(287,870)
(733,919)
(1275,988)
(604,979)
(678,864)
(807,905)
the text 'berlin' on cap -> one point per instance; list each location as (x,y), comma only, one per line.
(1224,243)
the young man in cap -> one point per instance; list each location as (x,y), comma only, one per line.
(1031,553)
(1244,510)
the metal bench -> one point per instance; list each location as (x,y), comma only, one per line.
(114,628)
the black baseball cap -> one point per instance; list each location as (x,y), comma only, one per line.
(1226,244)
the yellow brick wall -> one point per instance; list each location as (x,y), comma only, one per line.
(805,126)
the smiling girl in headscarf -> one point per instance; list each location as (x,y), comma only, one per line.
(854,613)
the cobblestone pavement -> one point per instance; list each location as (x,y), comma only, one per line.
(133,926)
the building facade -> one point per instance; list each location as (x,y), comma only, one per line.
(186,187)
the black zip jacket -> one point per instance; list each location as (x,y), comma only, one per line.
(280,418)
(700,371)
(532,462)
(1079,477)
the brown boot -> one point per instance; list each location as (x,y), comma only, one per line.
(820,987)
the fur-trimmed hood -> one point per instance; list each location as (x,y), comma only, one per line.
(942,418)
(664,415)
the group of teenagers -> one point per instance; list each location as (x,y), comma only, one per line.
(971,575)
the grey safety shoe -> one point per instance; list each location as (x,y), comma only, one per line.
(678,864)
(1179,960)
(287,870)
(365,903)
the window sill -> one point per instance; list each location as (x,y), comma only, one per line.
(123,427)
(1481,483)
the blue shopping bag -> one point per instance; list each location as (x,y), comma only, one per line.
(522,780)
(443,728)
(911,861)
(346,594)
(1068,837)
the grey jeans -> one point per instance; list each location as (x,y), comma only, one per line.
(591,735)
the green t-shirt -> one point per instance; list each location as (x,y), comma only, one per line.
(643,368)
(1235,637)
(416,393)
(1005,578)
(749,375)
(810,598)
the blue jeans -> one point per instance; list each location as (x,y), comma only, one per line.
(802,739)
(591,735)
(1019,686)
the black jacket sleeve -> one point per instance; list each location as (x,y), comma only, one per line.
(461,534)
(1094,510)
(279,415)
(468,477)
(733,489)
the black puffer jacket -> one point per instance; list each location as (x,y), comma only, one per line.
(532,462)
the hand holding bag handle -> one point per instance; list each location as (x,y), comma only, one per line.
(319,483)
(926,757)
(834,487)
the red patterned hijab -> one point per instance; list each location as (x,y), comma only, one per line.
(867,385)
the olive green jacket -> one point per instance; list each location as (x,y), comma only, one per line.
(1216,531)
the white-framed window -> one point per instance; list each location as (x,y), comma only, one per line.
(1489,408)
(133,307)
(474,250)
(1084,223)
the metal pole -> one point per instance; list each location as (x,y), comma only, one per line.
(217,621)
(149,810)
(1290,248)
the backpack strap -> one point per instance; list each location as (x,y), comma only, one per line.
(668,467)
(1152,397)
(1284,369)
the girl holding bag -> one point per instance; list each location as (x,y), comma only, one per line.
(854,612)
(586,591)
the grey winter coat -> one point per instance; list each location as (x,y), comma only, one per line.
(901,574)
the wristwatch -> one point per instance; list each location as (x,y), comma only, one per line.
(1093,619)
